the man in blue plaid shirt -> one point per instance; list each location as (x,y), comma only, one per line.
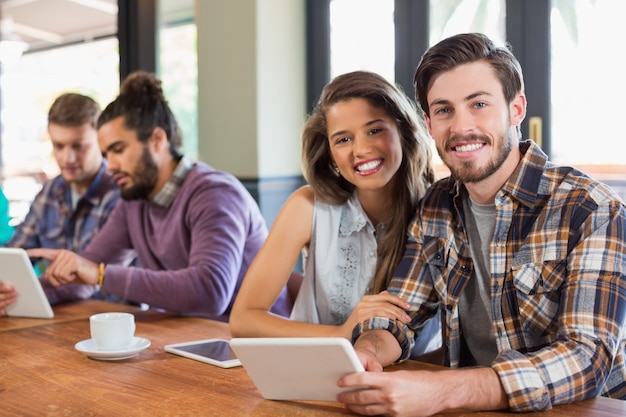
(526,260)
(72,207)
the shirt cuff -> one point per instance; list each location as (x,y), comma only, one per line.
(524,387)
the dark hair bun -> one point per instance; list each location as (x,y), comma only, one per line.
(142,89)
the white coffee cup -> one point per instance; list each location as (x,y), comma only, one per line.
(112,331)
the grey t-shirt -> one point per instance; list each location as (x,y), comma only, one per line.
(478,342)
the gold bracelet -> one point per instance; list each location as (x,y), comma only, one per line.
(101,267)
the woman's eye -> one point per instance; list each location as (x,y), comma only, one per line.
(342,139)
(375,130)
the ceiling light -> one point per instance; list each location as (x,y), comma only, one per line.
(11,45)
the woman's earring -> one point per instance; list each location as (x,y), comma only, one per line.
(336,170)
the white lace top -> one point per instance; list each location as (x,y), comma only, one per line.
(339,264)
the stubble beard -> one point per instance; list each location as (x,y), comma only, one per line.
(467,171)
(145,177)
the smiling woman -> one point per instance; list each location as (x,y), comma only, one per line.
(367,162)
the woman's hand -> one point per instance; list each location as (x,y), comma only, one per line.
(382,304)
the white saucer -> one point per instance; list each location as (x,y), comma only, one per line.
(89,348)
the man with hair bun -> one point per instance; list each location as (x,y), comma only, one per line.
(195,229)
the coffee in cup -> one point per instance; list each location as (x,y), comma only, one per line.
(112,331)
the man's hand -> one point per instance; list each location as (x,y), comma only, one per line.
(377,348)
(369,360)
(66,266)
(400,393)
(422,393)
(8,295)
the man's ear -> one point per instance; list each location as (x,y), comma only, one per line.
(159,139)
(517,109)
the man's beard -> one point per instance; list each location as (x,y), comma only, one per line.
(467,172)
(144,177)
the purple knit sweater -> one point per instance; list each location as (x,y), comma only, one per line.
(193,254)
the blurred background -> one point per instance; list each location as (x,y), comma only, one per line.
(275,56)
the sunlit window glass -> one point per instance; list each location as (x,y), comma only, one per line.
(362,37)
(588,83)
(448,18)
(179,73)
(28,89)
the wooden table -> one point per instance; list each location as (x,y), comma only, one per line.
(41,374)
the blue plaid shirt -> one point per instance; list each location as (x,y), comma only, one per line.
(51,222)
(558,282)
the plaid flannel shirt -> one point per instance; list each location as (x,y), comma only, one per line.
(165,196)
(51,222)
(558,284)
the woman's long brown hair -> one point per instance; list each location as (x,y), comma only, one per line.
(415,175)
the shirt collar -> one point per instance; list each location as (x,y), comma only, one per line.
(353,217)
(166,194)
(526,182)
(92,195)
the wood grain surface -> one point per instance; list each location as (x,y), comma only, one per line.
(41,374)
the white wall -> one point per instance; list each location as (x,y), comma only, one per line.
(251,85)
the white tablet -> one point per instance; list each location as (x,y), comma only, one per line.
(297,368)
(213,351)
(16,269)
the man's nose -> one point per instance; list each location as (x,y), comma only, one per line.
(112,163)
(69,155)
(462,123)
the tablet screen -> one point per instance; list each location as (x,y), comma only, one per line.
(213,351)
(218,350)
